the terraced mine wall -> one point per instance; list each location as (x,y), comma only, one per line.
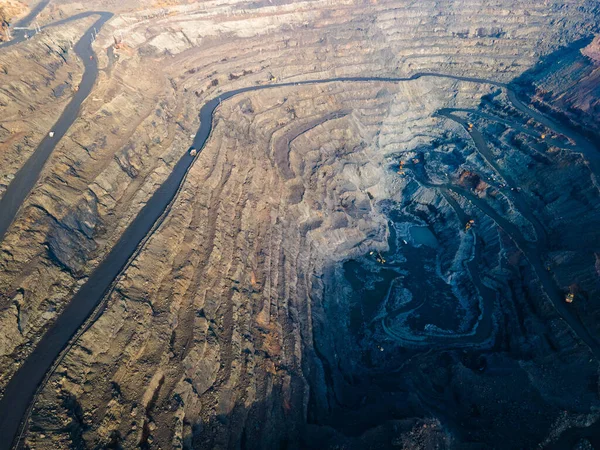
(317,281)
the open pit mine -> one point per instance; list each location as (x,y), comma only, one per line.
(311,224)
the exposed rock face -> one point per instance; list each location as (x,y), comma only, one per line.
(592,51)
(343,266)
(569,85)
(70,240)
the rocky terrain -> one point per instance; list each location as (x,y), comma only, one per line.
(348,264)
(571,90)
(9,10)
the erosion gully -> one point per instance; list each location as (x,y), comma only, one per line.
(29,378)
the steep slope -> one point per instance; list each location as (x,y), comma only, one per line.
(314,284)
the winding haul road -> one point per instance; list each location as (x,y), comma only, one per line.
(22,388)
(533,251)
(27,176)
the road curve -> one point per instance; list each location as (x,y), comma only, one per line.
(22,388)
(511,190)
(482,330)
(19,35)
(25,179)
(533,251)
